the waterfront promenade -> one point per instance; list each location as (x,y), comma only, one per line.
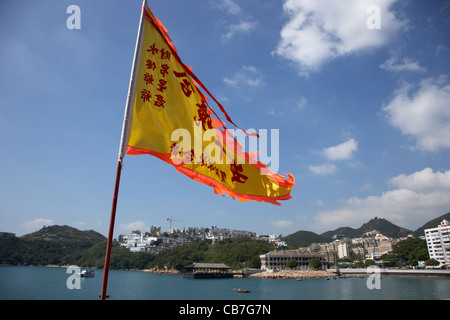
(394,272)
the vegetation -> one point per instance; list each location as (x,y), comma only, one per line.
(64,245)
(50,245)
(431,224)
(291,264)
(237,253)
(411,251)
(306,238)
(303,239)
(315,263)
(407,253)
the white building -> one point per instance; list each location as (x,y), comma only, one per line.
(137,242)
(343,250)
(438,242)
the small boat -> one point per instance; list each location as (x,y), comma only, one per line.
(244,291)
(299,279)
(87,273)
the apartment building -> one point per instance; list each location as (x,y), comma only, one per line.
(438,242)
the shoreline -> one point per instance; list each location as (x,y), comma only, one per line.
(429,273)
(293,274)
(158,271)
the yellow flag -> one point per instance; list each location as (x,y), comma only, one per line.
(171,119)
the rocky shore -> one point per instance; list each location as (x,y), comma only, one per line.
(166,271)
(289,274)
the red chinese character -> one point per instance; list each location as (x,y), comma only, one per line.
(179,74)
(153,49)
(223,176)
(150,64)
(186,87)
(203,116)
(162,85)
(237,175)
(165,54)
(159,101)
(145,95)
(164,68)
(148,78)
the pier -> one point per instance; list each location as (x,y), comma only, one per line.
(207,271)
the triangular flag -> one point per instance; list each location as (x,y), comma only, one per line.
(170,118)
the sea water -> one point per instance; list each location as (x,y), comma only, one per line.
(41,283)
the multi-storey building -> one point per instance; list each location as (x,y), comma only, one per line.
(343,250)
(438,242)
(277,260)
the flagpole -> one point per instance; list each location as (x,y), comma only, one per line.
(122,148)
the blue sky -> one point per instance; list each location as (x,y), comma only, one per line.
(363,113)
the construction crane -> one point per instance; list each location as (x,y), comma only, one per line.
(171,219)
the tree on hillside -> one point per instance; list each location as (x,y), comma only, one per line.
(411,250)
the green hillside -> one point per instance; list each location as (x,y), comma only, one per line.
(50,245)
(431,224)
(64,245)
(305,238)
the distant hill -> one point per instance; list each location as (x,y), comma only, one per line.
(305,238)
(431,224)
(382,225)
(59,245)
(56,232)
(64,245)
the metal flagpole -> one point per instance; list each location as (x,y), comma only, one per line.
(123,145)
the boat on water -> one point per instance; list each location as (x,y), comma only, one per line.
(87,273)
(244,291)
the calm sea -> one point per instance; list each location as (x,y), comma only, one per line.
(39,283)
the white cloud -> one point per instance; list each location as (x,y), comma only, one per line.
(323,169)
(230,6)
(392,64)
(37,223)
(247,76)
(419,197)
(302,103)
(282,223)
(367,186)
(319,31)
(137,225)
(241,27)
(275,113)
(423,181)
(245,22)
(424,114)
(342,151)
(319,202)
